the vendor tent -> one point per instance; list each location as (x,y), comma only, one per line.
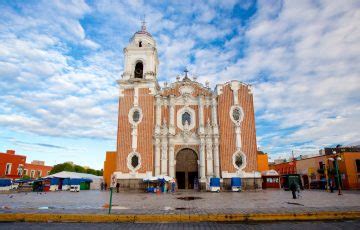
(96,180)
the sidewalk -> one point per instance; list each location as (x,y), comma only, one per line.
(225,206)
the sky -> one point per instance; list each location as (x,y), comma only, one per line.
(59,62)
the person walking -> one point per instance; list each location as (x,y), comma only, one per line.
(117,187)
(297,190)
(173,185)
(105,186)
(332,185)
(293,189)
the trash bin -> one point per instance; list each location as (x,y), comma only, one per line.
(215,184)
(236,184)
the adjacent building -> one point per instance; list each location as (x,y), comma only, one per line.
(36,169)
(11,165)
(322,167)
(14,166)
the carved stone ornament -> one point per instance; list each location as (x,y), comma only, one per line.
(186,89)
(236,114)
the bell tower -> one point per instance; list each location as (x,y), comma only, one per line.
(141,58)
(137,88)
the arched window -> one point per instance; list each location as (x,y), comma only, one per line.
(140,43)
(186,117)
(139,70)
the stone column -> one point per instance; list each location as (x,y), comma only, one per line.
(202,159)
(171,159)
(164,155)
(158,114)
(201,115)
(216,157)
(157,156)
(214,115)
(157,134)
(209,157)
(172,115)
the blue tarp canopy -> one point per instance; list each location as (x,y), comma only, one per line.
(5,182)
(54,181)
(77,181)
(23,181)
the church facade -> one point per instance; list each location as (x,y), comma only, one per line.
(184,130)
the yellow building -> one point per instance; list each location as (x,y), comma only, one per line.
(109,166)
(262,161)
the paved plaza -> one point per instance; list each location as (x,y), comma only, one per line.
(264,201)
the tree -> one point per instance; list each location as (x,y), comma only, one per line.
(79,169)
(62,167)
(69,167)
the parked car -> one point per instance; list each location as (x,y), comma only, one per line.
(74,188)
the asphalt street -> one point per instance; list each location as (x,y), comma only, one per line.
(348,225)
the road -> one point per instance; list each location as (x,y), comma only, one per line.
(348,225)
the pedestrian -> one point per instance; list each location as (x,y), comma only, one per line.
(105,186)
(102,186)
(173,185)
(293,189)
(117,187)
(297,190)
(332,185)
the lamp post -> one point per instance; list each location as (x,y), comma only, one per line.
(336,159)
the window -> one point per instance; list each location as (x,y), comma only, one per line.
(186,117)
(20,170)
(8,169)
(32,174)
(139,70)
(136,116)
(134,161)
(236,114)
(140,43)
(358,166)
(25,171)
(48,172)
(39,173)
(238,160)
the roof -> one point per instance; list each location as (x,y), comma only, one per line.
(65,174)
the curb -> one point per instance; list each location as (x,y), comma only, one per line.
(155,218)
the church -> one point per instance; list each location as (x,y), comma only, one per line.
(184,130)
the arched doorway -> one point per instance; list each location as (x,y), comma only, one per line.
(186,168)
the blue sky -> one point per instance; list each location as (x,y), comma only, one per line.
(59,61)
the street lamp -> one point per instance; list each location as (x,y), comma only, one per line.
(337,158)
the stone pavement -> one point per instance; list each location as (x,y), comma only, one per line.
(264,201)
